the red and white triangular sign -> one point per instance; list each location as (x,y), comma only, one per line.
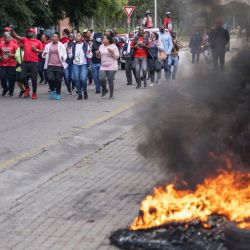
(129,10)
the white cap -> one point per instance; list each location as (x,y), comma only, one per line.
(168,13)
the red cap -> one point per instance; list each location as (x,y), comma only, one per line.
(31,30)
(7,29)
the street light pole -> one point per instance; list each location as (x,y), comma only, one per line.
(155,13)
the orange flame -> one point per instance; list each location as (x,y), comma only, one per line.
(227,194)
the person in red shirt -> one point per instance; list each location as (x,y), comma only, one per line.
(32,47)
(168,22)
(8,30)
(8,65)
(65,38)
(140,46)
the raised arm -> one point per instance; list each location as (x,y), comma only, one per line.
(15,35)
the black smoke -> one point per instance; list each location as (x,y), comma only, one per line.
(192,127)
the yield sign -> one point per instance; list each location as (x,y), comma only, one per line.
(129,10)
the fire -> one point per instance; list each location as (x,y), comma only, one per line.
(227,194)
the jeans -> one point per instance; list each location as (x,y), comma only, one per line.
(55,75)
(167,69)
(96,71)
(81,74)
(69,78)
(8,74)
(110,76)
(154,66)
(173,61)
(129,69)
(141,64)
(195,58)
(32,69)
(219,55)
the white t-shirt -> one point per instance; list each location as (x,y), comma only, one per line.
(80,57)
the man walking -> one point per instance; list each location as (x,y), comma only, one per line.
(219,40)
(32,47)
(166,39)
(140,44)
(128,59)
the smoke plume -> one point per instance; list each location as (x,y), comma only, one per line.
(191,129)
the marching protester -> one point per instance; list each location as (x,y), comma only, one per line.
(41,61)
(68,72)
(195,46)
(167,42)
(55,61)
(79,52)
(32,47)
(96,62)
(65,37)
(219,40)
(109,65)
(8,65)
(19,59)
(140,46)
(168,22)
(126,53)
(147,20)
(156,45)
(173,59)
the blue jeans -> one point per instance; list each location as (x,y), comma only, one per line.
(173,61)
(96,70)
(167,69)
(69,77)
(81,74)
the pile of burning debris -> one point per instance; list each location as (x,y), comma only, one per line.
(215,216)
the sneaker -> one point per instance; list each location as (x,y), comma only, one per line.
(79,97)
(151,84)
(34,96)
(68,93)
(58,97)
(111,97)
(104,92)
(52,95)
(4,93)
(26,93)
(41,81)
(129,84)
(138,86)
(21,93)
(86,95)
(11,95)
(98,92)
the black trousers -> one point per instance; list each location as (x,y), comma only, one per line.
(30,68)
(219,56)
(8,74)
(55,75)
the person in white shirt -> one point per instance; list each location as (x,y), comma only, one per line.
(79,52)
(129,61)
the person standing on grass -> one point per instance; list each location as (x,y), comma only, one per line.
(32,47)
(109,65)
(79,53)
(55,61)
(8,65)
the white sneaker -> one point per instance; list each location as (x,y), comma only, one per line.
(151,84)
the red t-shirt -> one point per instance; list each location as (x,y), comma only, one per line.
(12,40)
(40,58)
(64,40)
(167,21)
(5,50)
(29,54)
(140,52)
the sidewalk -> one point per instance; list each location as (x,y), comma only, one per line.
(78,208)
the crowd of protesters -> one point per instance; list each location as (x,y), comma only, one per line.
(82,58)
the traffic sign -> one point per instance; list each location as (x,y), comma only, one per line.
(129,10)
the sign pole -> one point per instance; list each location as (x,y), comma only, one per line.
(129,10)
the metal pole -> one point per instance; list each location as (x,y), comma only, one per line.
(155,13)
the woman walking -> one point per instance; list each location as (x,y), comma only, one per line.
(109,65)
(79,52)
(153,59)
(55,61)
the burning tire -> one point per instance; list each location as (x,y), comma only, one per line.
(237,238)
